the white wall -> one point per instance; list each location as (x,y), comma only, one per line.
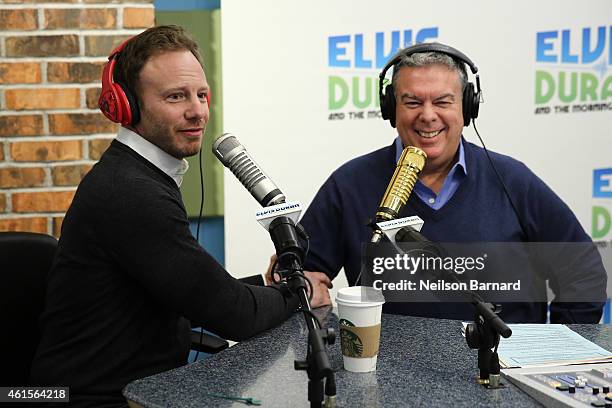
(275,94)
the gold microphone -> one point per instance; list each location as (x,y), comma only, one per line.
(406,174)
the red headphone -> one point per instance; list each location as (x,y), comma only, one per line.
(116,101)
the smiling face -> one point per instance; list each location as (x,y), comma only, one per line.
(172,91)
(429,113)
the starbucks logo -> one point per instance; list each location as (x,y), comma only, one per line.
(351,343)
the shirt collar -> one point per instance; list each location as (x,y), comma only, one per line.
(170,165)
(399,148)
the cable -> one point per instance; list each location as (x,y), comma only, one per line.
(245,400)
(518,217)
(277,276)
(307,248)
(311,314)
(292,275)
(198,235)
(201,196)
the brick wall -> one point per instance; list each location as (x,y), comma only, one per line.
(51,133)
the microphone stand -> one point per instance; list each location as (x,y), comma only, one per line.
(484,333)
(290,254)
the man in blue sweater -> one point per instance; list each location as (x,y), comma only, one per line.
(458,194)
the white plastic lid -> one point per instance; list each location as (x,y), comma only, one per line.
(360,294)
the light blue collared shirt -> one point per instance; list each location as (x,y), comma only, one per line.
(455,176)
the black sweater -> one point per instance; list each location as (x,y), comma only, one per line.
(127,275)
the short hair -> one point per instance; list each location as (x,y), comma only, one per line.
(422,59)
(140,48)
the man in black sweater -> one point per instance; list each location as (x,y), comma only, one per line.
(128,274)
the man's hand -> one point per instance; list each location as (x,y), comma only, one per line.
(268,276)
(320,285)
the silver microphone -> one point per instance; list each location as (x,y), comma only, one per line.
(234,156)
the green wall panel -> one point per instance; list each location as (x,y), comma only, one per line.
(205,27)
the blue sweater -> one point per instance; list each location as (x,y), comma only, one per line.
(479,211)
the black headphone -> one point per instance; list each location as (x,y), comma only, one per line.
(471,99)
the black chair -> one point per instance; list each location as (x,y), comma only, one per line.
(25,259)
(206,343)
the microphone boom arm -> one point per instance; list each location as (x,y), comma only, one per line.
(484,333)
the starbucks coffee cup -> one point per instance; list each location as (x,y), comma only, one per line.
(359,313)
